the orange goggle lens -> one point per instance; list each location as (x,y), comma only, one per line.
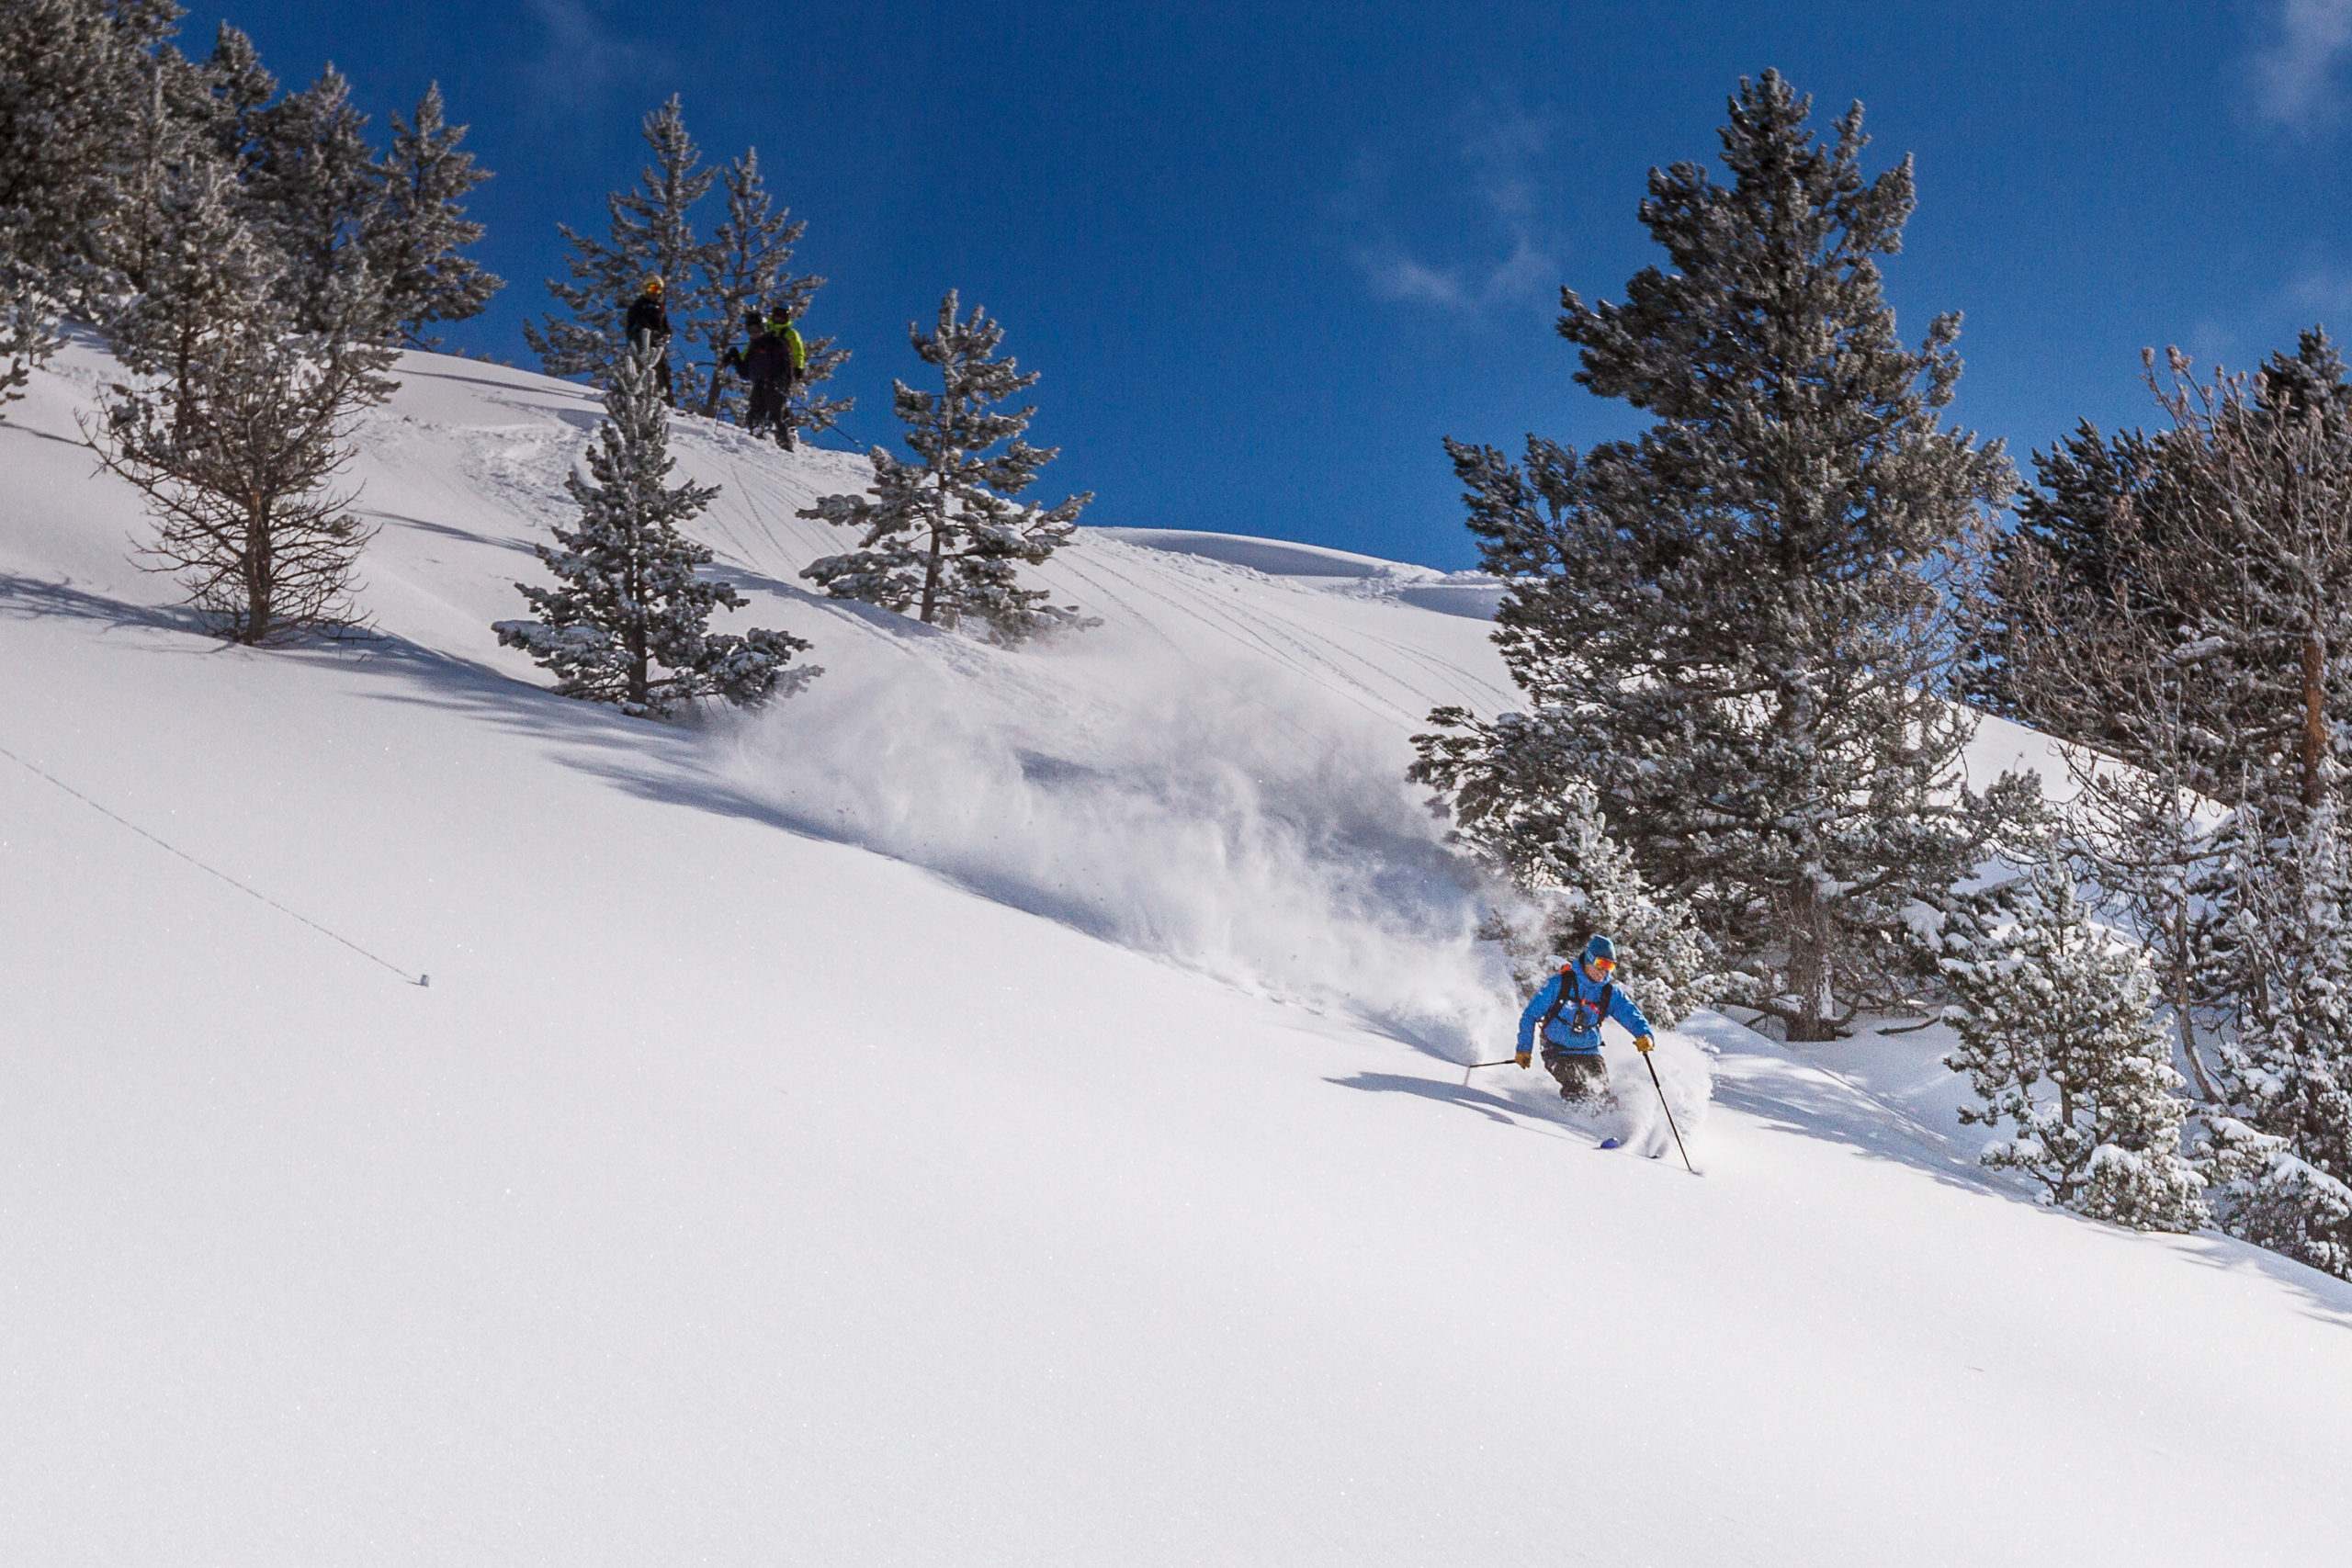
(1604,965)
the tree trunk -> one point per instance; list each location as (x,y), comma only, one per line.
(2315,719)
(710,399)
(2176,988)
(256,573)
(930,565)
(1810,949)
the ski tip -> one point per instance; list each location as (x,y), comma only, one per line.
(1612,1142)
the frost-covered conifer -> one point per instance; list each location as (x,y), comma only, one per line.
(27,334)
(650,233)
(418,227)
(631,624)
(239,89)
(942,536)
(76,77)
(2288,1074)
(1737,628)
(2057,1037)
(311,197)
(205,266)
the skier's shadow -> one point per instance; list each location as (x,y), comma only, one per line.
(1493,1107)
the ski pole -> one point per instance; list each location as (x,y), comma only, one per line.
(1669,1113)
(1473,1066)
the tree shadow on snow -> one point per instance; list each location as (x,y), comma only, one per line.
(31,599)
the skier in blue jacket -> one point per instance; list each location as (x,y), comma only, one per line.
(1569,1008)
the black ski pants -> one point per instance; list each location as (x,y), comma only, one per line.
(767,404)
(770,408)
(1582,1075)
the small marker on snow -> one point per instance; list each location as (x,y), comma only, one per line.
(425,981)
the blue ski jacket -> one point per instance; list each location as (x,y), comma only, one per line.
(1578,1026)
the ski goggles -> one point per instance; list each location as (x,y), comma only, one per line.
(1602,965)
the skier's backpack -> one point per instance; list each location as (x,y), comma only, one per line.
(1569,984)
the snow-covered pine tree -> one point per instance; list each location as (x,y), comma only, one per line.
(2057,1038)
(311,194)
(239,462)
(1547,840)
(28,334)
(2145,844)
(631,624)
(418,227)
(205,266)
(2288,1074)
(650,233)
(1736,626)
(942,536)
(78,80)
(240,90)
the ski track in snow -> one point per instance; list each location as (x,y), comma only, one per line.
(995,1108)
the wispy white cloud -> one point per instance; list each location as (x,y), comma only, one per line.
(585,54)
(1498,158)
(2296,69)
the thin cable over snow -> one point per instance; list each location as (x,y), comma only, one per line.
(43,773)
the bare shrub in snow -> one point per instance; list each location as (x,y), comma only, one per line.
(630,625)
(238,457)
(2057,1037)
(942,537)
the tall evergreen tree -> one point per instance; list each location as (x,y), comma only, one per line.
(240,90)
(311,194)
(630,622)
(650,232)
(942,537)
(206,268)
(2058,1039)
(1735,627)
(77,80)
(418,228)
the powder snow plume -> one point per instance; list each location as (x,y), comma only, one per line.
(1260,832)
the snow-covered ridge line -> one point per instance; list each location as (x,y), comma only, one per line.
(1471,593)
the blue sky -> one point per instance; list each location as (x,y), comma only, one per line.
(1267,254)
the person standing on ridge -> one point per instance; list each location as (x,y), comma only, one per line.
(771,361)
(648,325)
(796,366)
(1568,1009)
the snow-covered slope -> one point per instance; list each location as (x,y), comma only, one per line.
(995,1108)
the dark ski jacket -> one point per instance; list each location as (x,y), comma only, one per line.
(1578,1026)
(648,320)
(767,357)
